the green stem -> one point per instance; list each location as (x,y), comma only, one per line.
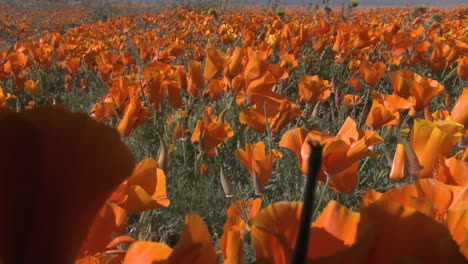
(322,194)
(269,139)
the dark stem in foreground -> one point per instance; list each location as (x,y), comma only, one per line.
(302,243)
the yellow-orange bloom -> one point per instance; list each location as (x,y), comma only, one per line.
(459,112)
(431,139)
(398,171)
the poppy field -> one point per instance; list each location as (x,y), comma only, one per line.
(224,134)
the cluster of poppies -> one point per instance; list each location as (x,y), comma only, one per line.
(402,73)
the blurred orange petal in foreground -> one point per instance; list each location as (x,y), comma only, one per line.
(109,223)
(274,231)
(145,252)
(386,234)
(195,245)
(383,232)
(58,169)
(232,240)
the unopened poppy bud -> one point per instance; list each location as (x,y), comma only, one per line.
(203,169)
(257,184)
(447,100)
(226,184)
(316,109)
(163,154)
(414,166)
(221,116)
(428,114)
(398,171)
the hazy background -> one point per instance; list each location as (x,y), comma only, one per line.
(341,2)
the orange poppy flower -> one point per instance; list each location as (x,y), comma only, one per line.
(279,114)
(428,196)
(406,83)
(102,110)
(68,82)
(73,65)
(65,172)
(350,100)
(41,53)
(32,87)
(204,169)
(4,99)
(232,240)
(274,231)
(456,224)
(372,73)
(442,56)
(462,70)
(354,82)
(235,63)
(211,131)
(215,88)
(258,163)
(382,114)
(312,88)
(398,171)
(453,171)
(215,63)
(431,139)
(293,139)
(5,69)
(195,78)
(135,114)
(83,83)
(18,61)
(245,208)
(459,112)
(384,235)
(341,154)
(144,190)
